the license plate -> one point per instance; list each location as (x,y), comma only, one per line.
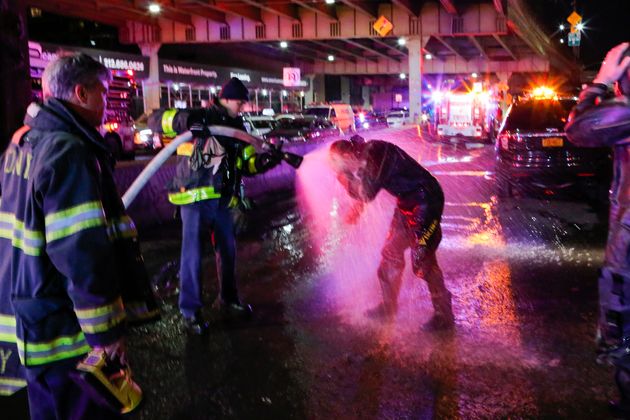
(552,142)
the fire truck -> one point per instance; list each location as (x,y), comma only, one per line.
(118,126)
(468,114)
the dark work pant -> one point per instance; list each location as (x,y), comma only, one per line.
(198,221)
(415,225)
(52,394)
(614,281)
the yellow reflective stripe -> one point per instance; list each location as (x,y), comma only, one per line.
(9,386)
(31,242)
(239,163)
(101,318)
(71,230)
(185,149)
(167,122)
(52,350)
(73,211)
(115,306)
(193,195)
(233,202)
(248,152)
(7,328)
(107,324)
(251,165)
(7,320)
(74,219)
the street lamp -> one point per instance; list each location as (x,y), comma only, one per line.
(579,26)
(331,57)
(402,76)
(155,8)
(562,40)
(561,27)
(402,41)
(283,44)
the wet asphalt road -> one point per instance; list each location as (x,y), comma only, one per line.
(523,276)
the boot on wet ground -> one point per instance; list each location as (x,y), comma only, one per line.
(196,324)
(381,312)
(439,322)
(232,311)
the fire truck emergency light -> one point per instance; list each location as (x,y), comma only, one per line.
(543,92)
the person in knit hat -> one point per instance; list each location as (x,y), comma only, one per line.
(207,188)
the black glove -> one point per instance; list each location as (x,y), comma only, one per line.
(267,160)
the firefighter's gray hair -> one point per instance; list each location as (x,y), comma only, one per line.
(70,69)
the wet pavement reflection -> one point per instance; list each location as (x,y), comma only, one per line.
(522,272)
(523,276)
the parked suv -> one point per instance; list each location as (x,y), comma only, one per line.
(302,129)
(532,148)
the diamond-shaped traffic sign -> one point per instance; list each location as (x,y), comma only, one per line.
(574,18)
(382,26)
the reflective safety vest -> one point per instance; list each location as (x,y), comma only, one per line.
(210,168)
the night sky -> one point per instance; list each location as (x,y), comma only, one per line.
(607,24)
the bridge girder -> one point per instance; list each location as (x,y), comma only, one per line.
(498,30)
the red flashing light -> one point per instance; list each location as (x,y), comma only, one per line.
(130,72)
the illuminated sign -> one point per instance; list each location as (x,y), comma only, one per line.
(291,76)
(41,54)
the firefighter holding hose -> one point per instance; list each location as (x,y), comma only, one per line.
(207,187)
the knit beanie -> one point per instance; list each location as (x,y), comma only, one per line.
(234,89)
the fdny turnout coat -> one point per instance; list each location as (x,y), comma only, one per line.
(70,258)
(210,168)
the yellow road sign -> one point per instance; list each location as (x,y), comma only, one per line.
(574,18)
(383,26)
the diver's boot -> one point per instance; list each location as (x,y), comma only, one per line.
(381,312)
(387,309)
(443,318)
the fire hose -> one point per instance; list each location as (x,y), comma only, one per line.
(218,130)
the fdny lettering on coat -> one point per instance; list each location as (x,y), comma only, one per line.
(17,162)
(4,358)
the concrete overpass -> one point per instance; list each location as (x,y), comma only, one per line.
(459,36)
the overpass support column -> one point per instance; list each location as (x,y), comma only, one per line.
(151,86)
(414,45)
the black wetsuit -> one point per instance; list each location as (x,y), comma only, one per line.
(416,220)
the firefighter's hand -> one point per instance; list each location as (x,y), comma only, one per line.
(613,66)
(115,350)
(353,215)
